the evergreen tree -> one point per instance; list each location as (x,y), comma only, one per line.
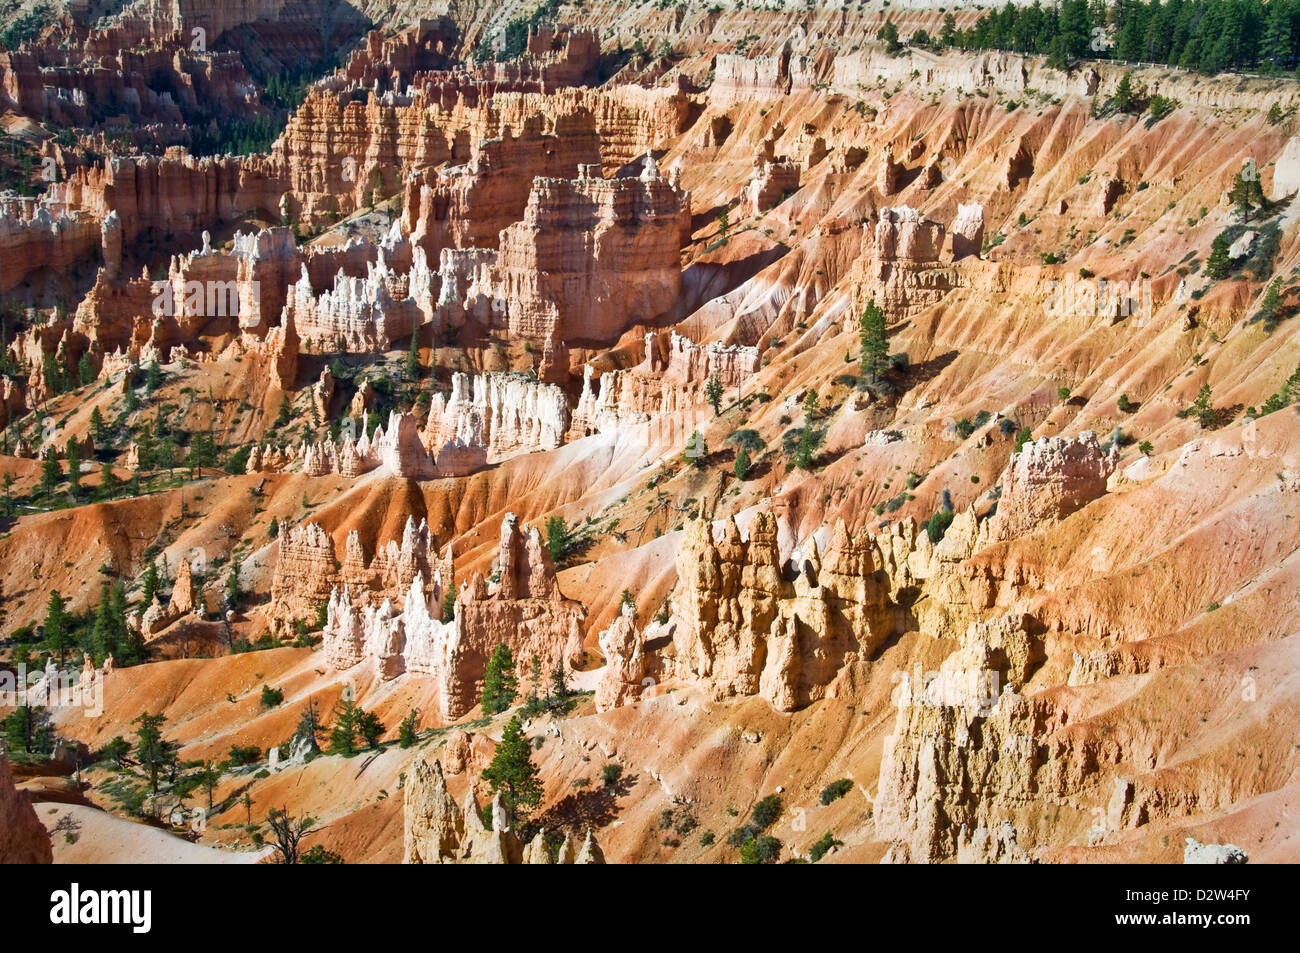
(166,455)
(370,728)
(1272,303)
(85,370)
(713,392)
(948,34)
(1240,195)
(109,484)
(152,377)
(74,468)
(151,751)
(407,733)
(1218,264)
(1203,407)
(499,683)
(801,446)
(449,603)
(1275,44)
(1076,28)
(742,465)
(347,722)
(413,357)
(559,685)
(512,772)
(149,583)
(57,627)
(1124,93)
(208,777)
(104,635)
(874,352)
(98,433)
(51,474)
(557,538)
(233,591)
(889,36)
(309,727)
(117,751)
(28,729)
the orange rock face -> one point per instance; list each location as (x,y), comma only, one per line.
(22,838)
(592,257)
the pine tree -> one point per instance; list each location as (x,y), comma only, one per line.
(413,357)
(499,683)
(149,583)
(889,36)
(512,772)
(28,728)
(152,377)
(1124,93)
(1218,264)
(74,468)
(51,474)
(85,370)
(449,603)
(97,431)
(874,359)
(309,727)
(713,392)
(1203,407)
(801,446)
(742,464)
(557,538)
(57,627)
(208,777)
(347,722)
(370,728)
(151,751)
(109,484)
(407,733)
(103,633)
(233,591)
(1275,44)
(1272,303)
(1240,195)
(1075,28)
(948,34)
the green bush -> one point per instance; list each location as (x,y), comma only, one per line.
(766,811)
(835,790)
(820,849)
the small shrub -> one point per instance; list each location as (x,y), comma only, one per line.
(835,790)
(823,846)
